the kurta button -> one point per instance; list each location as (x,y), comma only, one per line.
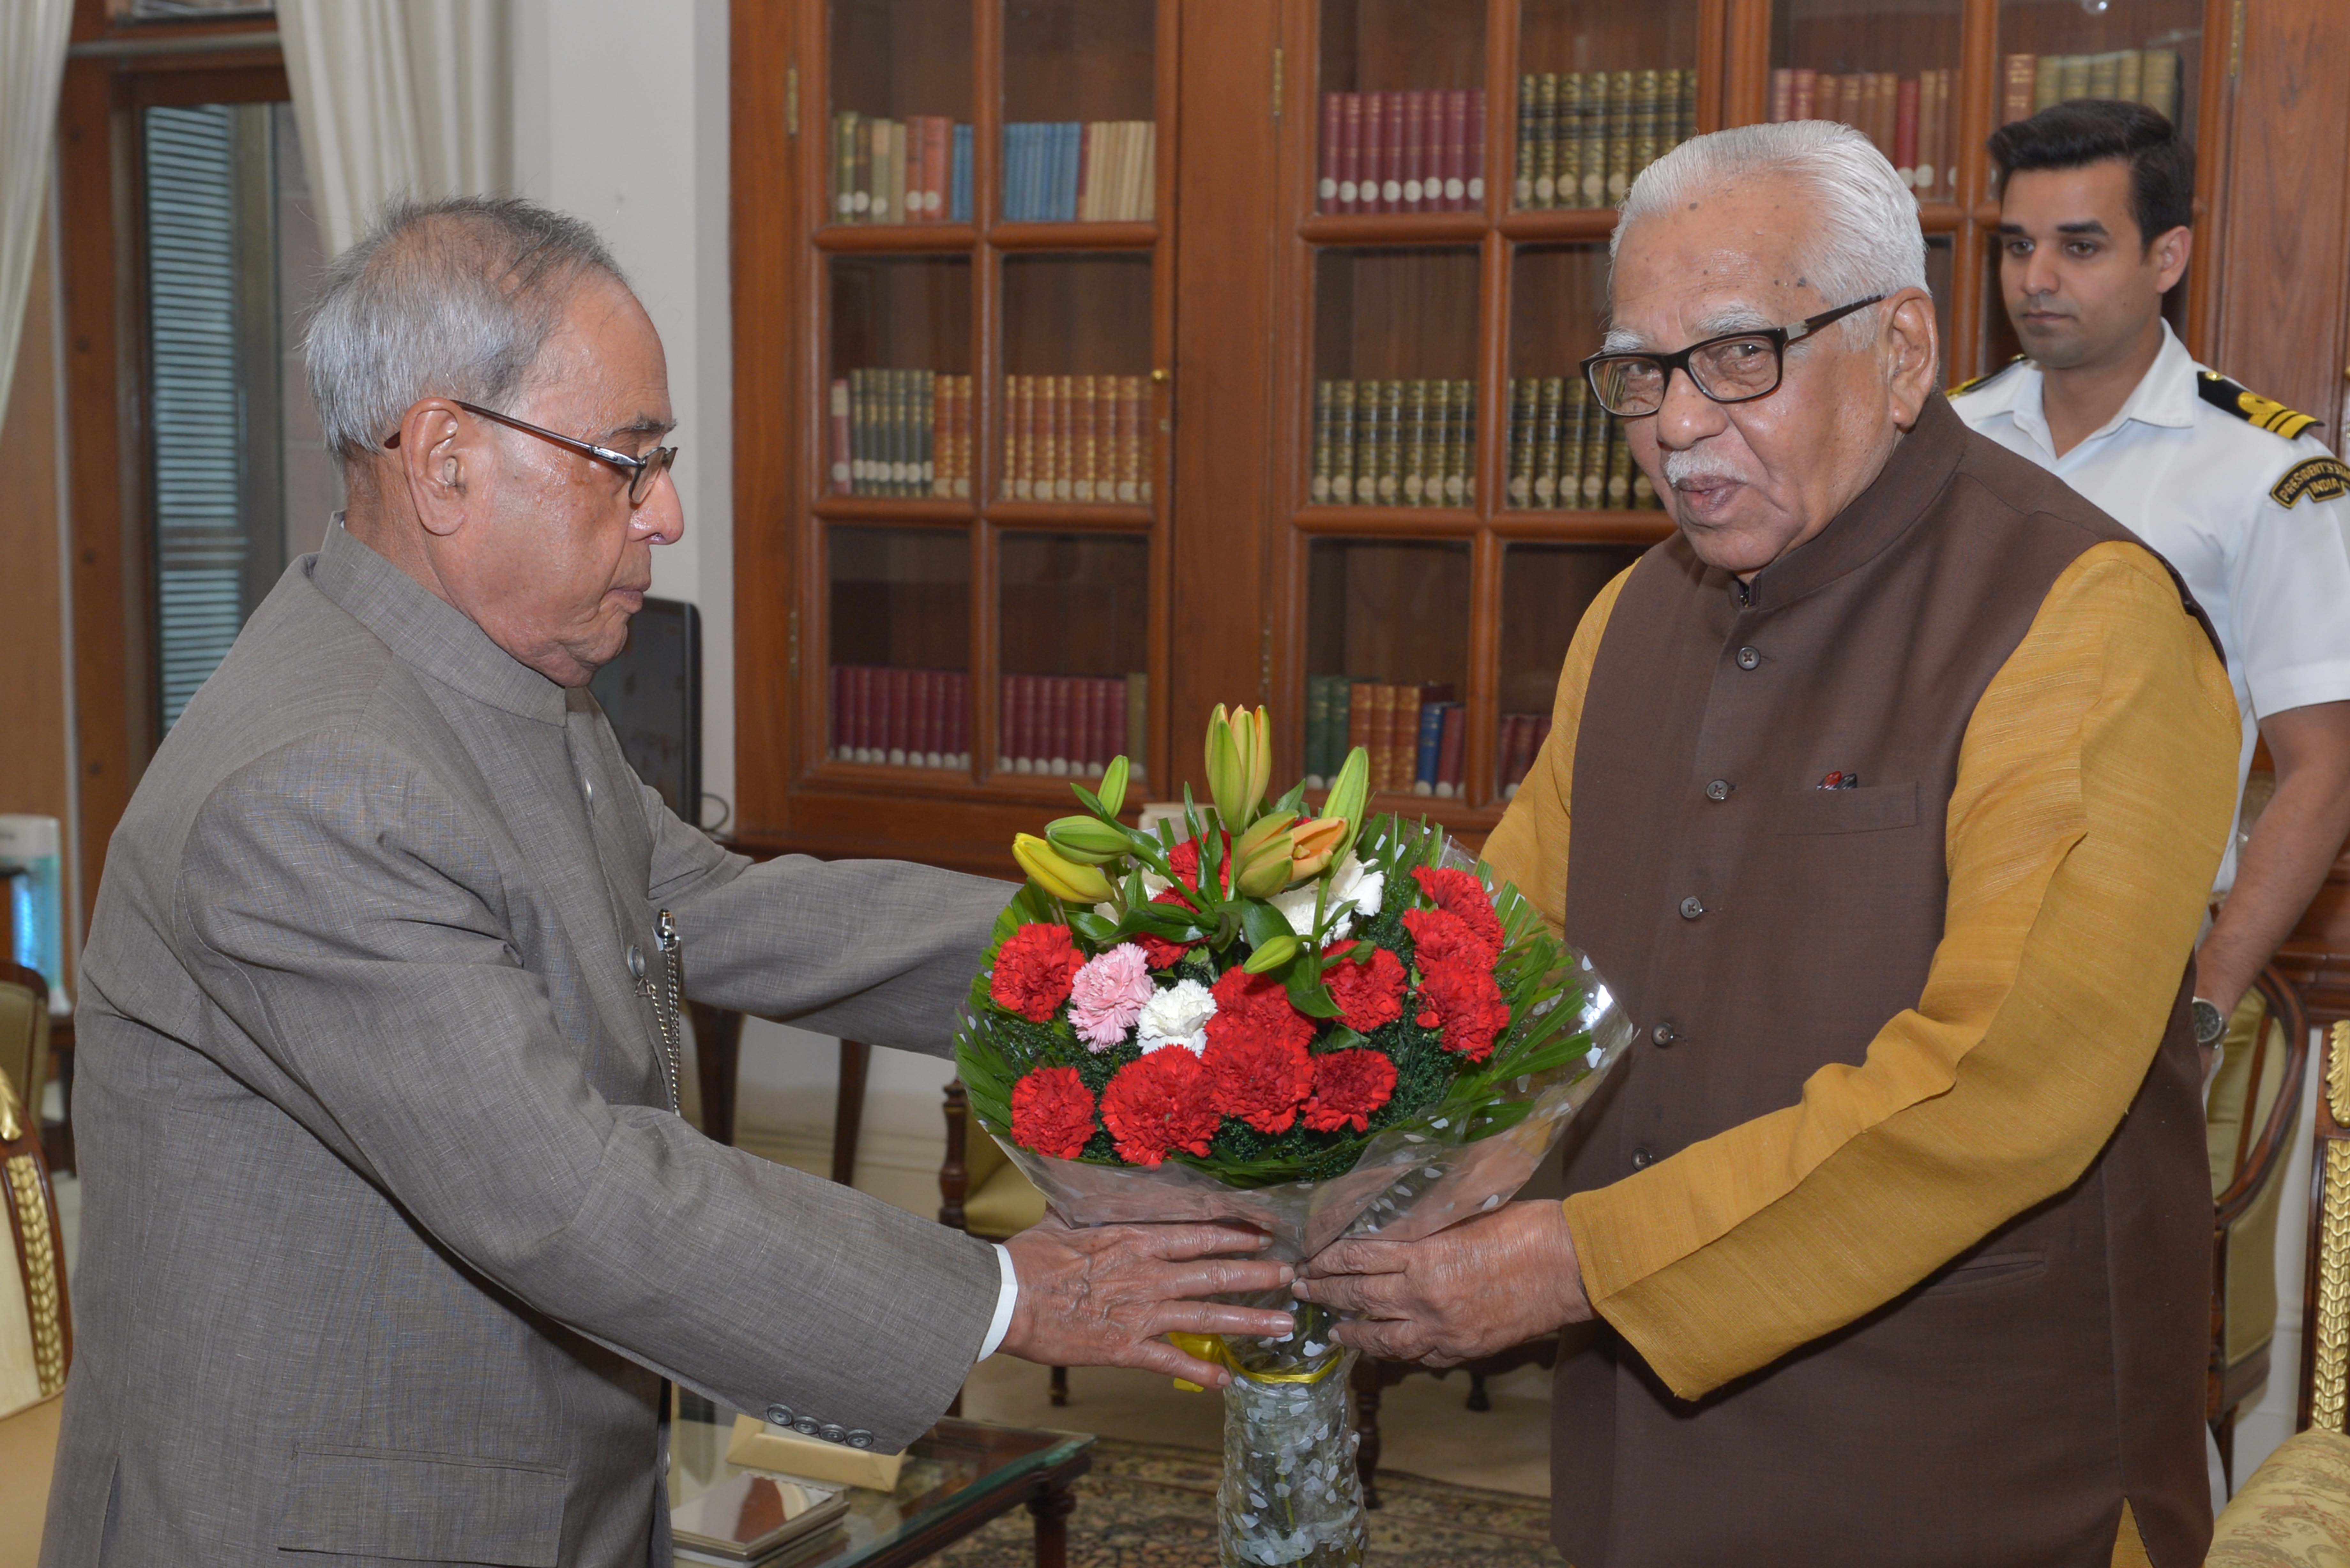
(1643,1158)
(1748,658)
(1665,1034)
(781,1415)
(636,960)
(1718,790)
(1691,908)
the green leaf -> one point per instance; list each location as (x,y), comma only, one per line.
(1500,1119)
(1306,992)
(1343,1039)
(1094,928)
(1294,801)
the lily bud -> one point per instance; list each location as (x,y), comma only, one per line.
(1311,844)
(1260,832)
(1086,840)
(1112,794)
(1348,795)
(1056,874)
(1272,955)
(1257,731)
(1266,872)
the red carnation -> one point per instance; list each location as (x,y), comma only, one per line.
(1053,1112)
(1160,1105)
(1370,994)
(1157,952)
(1439,936)
(1255,1006)
(1461,1001)
(1260,1078)
(1348,1087)
(1460,893)
(1033,971)
(1184,861)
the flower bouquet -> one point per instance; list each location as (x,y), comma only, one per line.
(1302,1022)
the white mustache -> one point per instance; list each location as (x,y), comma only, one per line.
(1683,466)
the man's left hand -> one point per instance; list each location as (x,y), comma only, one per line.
(1479,1287)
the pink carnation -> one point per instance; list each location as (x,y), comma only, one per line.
(1107,995)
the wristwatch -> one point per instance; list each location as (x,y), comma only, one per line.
(2210,1024)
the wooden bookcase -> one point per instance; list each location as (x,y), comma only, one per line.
(1255,294)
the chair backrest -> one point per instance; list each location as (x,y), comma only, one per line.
(35,1321)
(24,1033)
(2262,1140)
(2325,1291)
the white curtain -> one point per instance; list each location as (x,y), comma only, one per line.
(399,98)
(32,66)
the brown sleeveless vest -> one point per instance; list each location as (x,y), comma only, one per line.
(1999,1412)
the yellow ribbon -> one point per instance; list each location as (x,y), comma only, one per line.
(1212,1347)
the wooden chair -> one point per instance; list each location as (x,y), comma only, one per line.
(1372,1378)
(984,1193)
(36,1331)
(2250,1123)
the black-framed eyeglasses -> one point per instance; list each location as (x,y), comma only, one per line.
(643,472)
(1735,367)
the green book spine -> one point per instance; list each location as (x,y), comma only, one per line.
(926,482)
(1576,421)
(1520,434)
(1317,730)
(1546,106)
(1646,104)
(1342,718)
(1686,93)
(1592,472)
(860,182)
(1415,441)
(1370,448)
(1318,489)
(1547,431)
(1527,87)
(857,432)
(1342,442)
(1391,442)
(1566,142)
(1620,468)
(1460,448)
(844,167)
(1620,109)
(901,418)
(1595,138)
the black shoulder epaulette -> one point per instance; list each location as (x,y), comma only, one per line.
(2251,407)
(1963,388)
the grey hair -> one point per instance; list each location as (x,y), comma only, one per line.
(449,298)
(1862,237)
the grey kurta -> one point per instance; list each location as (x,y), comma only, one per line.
(388,1231)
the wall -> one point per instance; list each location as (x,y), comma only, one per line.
(621,115)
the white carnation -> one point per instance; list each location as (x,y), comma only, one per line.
(1175,1016)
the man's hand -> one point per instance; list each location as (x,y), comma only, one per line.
(1101,1296)
(1480,1286)
(2285,862)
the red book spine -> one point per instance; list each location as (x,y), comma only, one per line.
(1448,750)
(931,687)
(1007,721)
(1081,725)
(1456,151)
(836,722)
(1350,157)
(1905,131)
(1415,151)
(1115,716)
(863,707)
(1060,734)
(1505,750)
(1104,739)
(1803,94)
(1326,193)
(1375,152)
(1476,192)
(941,154)
(1032,723)
(893,745)
(958,719)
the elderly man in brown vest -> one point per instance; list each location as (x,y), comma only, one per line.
(1886,794)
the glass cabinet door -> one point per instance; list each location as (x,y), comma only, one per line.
(900,125)
(1387,630)
(1080,116)
(1074,401)
(1889,67)
(1562,451)
(1403,106)
(1545,588)
(898,612)
(1394,367)
(2143,51)
(899,414)
(1604,90)
(1075,614)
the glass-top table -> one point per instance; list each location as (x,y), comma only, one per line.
(957,1477)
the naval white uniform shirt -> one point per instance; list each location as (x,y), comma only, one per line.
(2195,481)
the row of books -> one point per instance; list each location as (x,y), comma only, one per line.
(2030,83)
(1065,171)
(1394,443)
(1521,737)
(901,432)
(1066,725)
(1416,151)
(1908,118)
(1567,452)
(1584,135)
(915,171)
(900,717)
(1412,733)
(1075,438)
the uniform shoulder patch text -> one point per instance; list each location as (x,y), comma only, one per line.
(1963,388)
(2251,407)
(2317,478)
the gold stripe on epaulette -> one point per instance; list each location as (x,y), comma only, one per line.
(2315,477)
(2251,407)
(1963,388)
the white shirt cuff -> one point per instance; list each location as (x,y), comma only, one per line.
(1005,1297)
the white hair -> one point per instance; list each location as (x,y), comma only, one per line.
(1861,236)
(450,299)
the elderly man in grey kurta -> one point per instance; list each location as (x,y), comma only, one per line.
(391,1229)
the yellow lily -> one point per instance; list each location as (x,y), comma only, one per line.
(1058,875)
(1311,845)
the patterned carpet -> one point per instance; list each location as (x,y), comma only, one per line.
(1149,1506)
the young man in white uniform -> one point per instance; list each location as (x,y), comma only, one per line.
(2232,488)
